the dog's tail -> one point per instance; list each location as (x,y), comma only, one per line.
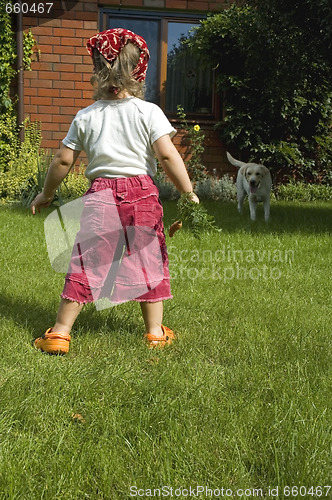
(235,162)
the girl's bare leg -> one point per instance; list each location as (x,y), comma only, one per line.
(153,316)
(67,313)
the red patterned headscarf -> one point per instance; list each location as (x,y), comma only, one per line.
(110,42)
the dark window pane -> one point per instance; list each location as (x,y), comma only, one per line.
(187,83)
(149,30)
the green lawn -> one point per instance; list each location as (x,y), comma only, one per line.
(242,400)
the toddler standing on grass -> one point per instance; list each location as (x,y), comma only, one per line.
(121,134)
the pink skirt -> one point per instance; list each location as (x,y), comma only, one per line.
(120,250)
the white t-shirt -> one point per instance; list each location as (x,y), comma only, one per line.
(117,137)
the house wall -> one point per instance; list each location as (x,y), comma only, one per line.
(58,84)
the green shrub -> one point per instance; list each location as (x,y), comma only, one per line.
(23,162)
(212,188)
(9,142)
(75,184)
(301,191)
(7,58)
(167,190)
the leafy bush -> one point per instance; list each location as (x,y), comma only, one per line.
(23,162)
(9,142)
(274,69)
(212,188)
(7,58)
(167,190)
(75,184)
(300,191)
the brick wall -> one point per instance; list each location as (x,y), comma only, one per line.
(58,85)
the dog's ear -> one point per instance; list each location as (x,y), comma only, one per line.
(243,170)
(265,170)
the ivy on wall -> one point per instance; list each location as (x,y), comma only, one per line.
(7,58)
(10,146)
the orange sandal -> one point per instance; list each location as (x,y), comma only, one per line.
(166,339)
(53,342)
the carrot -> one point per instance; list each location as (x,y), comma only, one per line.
(174,227)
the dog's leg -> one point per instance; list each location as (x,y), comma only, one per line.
(267,209)
(240,200)
(252,207)
(241,194)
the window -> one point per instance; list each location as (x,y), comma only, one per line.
(174,75)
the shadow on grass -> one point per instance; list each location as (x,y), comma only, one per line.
(286,217)
(36,318)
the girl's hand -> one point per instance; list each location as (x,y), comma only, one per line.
(194,197)
(41,201)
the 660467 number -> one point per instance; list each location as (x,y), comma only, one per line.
(25,8)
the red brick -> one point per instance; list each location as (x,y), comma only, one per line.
(72,42)
(61,119)
(84,68)
(29,75)
(67,110)
(83,103)
(64,67)
(85,16)
(66,23)
(63,101)
(42,83)
(48,92)
(82,50)
(44,66)
(71,77)
(48,110)
(45,49)
(50,58)
(90,25)
(47,101)
(50,144)
(66,58)
(70,93)
(68,32)
(60,84)
(58,135)
(30,109)
(84,85)
(50,126)
(46,75)
(52,22)
(42,30)
(49,40)
(60,49)
(85,34)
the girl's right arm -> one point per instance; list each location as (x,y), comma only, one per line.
(59,168)
(173,165)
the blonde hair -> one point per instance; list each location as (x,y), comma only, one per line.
(118,74)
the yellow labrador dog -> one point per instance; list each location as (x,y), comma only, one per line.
(255,181)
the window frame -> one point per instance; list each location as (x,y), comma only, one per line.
(164,17)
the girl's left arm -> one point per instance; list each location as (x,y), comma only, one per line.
(59,168)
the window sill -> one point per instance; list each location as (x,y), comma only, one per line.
(198,120)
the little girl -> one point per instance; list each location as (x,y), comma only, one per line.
(121,134)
